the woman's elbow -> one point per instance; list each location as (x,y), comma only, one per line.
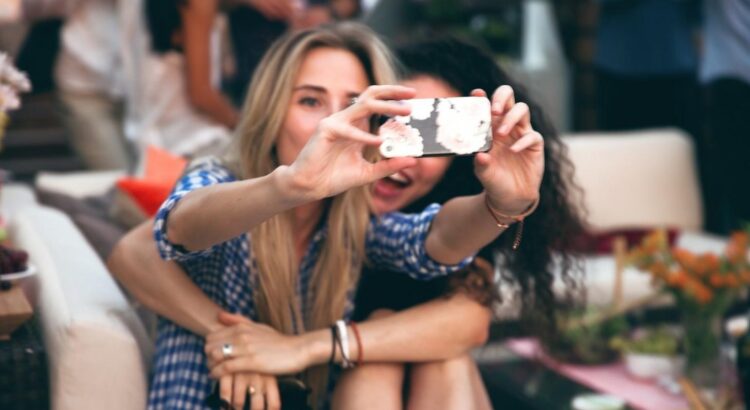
(478,327)
(479,332)
(117,261)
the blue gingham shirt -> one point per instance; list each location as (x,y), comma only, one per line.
(226,272)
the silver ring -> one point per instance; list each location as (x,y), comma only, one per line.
(226,350)
(353,100)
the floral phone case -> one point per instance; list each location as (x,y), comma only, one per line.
(439,126)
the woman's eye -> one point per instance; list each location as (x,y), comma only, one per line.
(309,101)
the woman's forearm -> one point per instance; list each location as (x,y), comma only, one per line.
(217,213)
(461,228)
(161,286)
(436,330)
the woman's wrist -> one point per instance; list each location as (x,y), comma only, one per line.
(510,212)
(291,188)
(316,346)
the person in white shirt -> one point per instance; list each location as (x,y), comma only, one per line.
(90,84)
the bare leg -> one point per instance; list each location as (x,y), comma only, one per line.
(372,386)
(377,386)
(448,384)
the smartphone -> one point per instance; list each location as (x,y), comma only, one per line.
(438,126)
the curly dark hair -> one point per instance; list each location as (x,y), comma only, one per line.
(550,230)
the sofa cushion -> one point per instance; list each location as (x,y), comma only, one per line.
(98,349)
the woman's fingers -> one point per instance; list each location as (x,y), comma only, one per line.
(271,390)
(338,129)
(503,100)
(239,389)
(257,394)
(391,108)
(388,92)
(533,140)
(225,388)
(478,92)
(381,99)
(231,319)
(215,337)
(517,116)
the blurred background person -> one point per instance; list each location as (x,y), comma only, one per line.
(725,74)
(646,64)
(174,68)
(255,24)
(90,84)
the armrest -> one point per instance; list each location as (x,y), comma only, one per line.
(98,349)
(78,184)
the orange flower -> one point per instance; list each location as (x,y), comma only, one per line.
(659,269)
(745,276)
(737,247)
(732,281)
(677,279)
(716,280)
(703,295)
(706,264)
(684,258)
(701,292)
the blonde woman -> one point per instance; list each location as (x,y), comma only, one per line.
(280,234)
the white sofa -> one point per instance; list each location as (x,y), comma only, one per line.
(99,350)
(97,347)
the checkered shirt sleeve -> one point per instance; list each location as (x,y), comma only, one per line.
(396,241)
(202,175)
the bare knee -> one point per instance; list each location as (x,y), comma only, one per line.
(371,386)
(452,383)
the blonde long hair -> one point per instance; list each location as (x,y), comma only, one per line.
(347,216)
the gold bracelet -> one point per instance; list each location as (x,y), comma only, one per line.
(515,218)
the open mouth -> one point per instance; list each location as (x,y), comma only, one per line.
(399,179)
(392,185)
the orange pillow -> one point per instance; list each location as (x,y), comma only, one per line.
(162,170)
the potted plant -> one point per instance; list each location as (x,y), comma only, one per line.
(584,336)
(703,286)
(650,352)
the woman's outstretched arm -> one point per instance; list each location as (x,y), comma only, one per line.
(160,285)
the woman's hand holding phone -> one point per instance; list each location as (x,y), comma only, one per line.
(511,171)
(333,160)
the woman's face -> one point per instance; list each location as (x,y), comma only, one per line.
(326,83)
(401,189)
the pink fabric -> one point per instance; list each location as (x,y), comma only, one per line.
(611,379)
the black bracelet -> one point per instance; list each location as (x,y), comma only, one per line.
(334,339)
